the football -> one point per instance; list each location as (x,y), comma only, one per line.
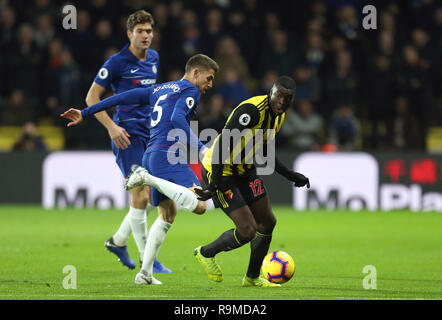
(278,267)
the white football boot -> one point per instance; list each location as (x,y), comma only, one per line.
(143,278)
(137,178)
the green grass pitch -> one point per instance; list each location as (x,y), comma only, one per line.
(330,249)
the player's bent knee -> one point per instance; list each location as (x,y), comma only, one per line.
(170,218)
(139,193)
(247,233)
(267,224)
(167,210)
(201,207)
(139,202)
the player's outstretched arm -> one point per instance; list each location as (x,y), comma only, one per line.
(134,96)
(137,96)
(74,115)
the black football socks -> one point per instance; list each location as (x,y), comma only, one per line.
(229,240)
(259,247)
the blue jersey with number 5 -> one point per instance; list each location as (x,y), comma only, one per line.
(173,104)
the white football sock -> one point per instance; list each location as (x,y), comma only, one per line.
(123,233)
(139,228)
(155,239)
(148,209)
(181,195)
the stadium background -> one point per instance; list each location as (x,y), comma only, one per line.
(358,90)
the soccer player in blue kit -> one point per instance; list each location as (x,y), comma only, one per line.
(173,105)
(135,66)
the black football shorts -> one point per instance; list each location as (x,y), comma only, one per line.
(236,191)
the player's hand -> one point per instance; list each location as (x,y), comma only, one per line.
(206,193)
(74,115)
(299,179)
(119,136)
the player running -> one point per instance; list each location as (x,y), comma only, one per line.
(238,190)
(173,105)
(135,66)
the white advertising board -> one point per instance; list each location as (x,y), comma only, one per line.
(338,180)
(83,179)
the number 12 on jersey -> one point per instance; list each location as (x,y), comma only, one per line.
(256,187)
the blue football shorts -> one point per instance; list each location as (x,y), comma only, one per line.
(133,155)
(157,164)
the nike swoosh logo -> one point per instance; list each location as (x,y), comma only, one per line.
(134,70)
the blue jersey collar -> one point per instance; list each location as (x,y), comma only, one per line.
(130,54)
(182,79)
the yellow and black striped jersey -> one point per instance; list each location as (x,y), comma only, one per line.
(252,114)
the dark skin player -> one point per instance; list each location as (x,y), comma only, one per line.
(254,220)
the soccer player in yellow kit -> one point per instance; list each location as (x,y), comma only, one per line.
(235,186)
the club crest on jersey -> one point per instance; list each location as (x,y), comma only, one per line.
(244,119)
(229,194)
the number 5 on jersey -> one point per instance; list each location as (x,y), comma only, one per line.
(159,110)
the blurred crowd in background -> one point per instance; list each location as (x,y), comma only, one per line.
(357,89)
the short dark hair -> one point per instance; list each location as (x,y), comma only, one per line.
(201,61)
(286,82)
(139,17)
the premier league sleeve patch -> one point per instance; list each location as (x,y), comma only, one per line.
(244,119)
(190,102)
(103,73)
